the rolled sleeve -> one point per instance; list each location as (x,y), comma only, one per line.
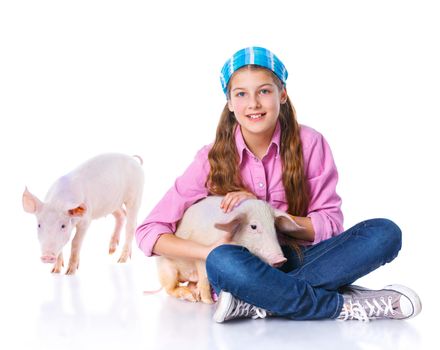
(148,234)
(325,204)
(187,189)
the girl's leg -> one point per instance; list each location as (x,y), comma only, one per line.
(308,291)
(343,259)
(234,269)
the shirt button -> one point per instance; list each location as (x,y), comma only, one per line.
(260,184)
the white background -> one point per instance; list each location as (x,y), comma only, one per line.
(78,78)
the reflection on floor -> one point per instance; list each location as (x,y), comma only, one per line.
(103,306)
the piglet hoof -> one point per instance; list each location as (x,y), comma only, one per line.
(58,265)
(124,257)
(72,268)
(196,295)
(192,286)
(56,269)
(113,246)
(188,296)
(207,300)
(191,299)
(205,296)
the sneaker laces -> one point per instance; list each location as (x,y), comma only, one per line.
(380,307)
(243,309)
(375,307)
(355,311)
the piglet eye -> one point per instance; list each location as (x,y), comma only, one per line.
(253,227)
(39,225)
(63,226)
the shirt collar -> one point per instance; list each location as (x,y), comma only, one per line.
(241,144)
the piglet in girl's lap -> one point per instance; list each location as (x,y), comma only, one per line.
(106,184)
(253,224)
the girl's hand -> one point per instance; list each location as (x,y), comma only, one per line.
(232,199)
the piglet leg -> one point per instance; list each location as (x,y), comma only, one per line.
(203,284)
(130,228)
(76,247)
(59,263)
(119,222)
(169,279)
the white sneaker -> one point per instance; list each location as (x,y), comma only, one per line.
(229,308)
(392,302)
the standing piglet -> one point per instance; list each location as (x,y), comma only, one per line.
(253,224)
(106,184)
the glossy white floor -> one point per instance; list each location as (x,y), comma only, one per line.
(103,306)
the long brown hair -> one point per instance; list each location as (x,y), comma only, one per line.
(224,175)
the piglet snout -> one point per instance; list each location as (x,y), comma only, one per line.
(48,258)
(277,261)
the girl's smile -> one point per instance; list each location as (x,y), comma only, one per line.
(256,117)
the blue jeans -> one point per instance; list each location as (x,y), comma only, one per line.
(305,288)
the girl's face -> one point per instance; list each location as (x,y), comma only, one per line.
(255,101)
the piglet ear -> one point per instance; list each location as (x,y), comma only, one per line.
(233,223)
(79,211)
(31,204)
(284,223)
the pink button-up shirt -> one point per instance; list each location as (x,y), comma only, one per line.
(264,178)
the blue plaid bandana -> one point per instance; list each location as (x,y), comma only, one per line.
(252,55)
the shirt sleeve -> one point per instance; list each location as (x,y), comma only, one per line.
(325,204)
(187,189)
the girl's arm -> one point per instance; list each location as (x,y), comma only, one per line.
(172,246)
(187,189)
(325,204)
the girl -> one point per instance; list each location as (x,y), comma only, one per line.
(260,151)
